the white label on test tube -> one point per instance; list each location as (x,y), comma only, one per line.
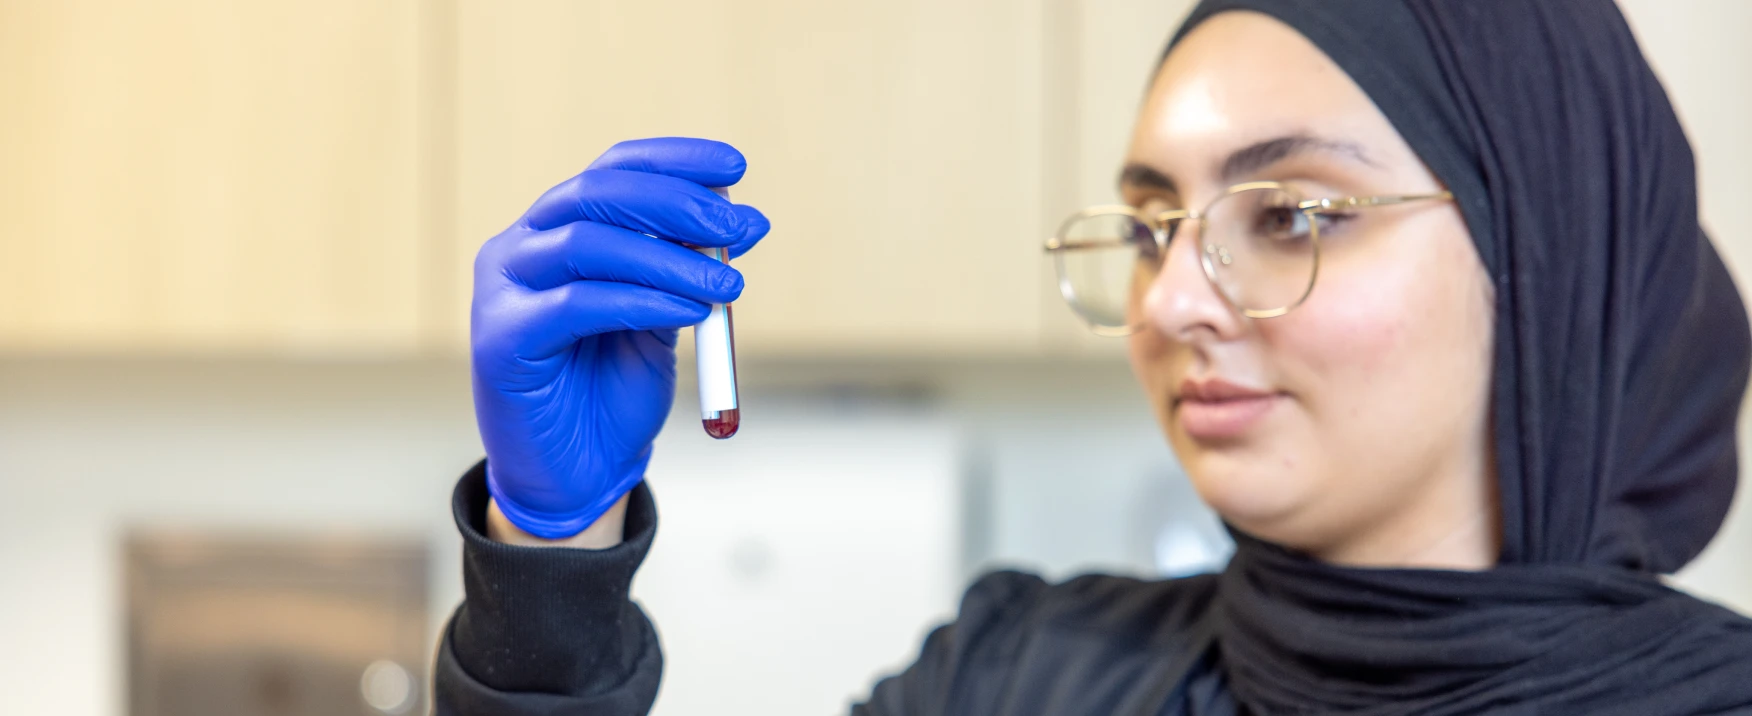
(715,351)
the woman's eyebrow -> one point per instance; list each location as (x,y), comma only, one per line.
(1249,161)
(1143,177)
(1255,158)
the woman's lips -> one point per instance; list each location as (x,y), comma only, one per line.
(1212,410)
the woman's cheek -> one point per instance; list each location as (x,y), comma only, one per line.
(1381,347)
(1340,345)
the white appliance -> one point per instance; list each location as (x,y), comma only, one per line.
(799,560)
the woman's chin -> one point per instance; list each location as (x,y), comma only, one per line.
(1262,502)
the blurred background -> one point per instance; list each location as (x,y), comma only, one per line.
(235,242)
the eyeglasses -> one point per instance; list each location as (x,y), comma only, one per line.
(1261,251)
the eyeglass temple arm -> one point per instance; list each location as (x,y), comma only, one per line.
(1368,201)
(1055,243)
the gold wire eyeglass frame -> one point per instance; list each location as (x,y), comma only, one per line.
(1058,244)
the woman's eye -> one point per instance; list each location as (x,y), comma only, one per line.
(1288,224)
(1144,240)
(1281,223)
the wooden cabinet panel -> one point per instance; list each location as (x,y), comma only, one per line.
(197,175)
(896,147)
(194,176)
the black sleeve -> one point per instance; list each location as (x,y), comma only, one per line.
(965,666)
(547,630)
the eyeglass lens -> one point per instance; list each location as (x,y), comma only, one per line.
(1256,246)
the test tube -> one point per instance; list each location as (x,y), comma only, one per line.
(715,353)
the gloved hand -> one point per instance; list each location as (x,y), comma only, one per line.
(574,323)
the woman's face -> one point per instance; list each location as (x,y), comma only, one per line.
(1353,427)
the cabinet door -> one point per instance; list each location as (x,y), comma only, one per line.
(197,175)
(895,145)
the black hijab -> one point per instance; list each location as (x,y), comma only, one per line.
(1621,359)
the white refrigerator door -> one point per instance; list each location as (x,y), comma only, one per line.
(798,561)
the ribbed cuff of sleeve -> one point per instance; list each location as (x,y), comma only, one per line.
(550,621)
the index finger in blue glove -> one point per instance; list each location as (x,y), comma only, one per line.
(701,161)
(662,206)
(759,227)
(588,251)
(535,325)
(705,161)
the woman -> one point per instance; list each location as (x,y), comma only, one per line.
(1458,415)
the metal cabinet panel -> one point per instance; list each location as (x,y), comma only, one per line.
(228,626)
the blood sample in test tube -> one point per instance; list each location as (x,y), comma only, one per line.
(715,352)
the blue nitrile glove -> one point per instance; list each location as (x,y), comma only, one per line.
(575,317)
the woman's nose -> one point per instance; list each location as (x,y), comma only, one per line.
(1181,304)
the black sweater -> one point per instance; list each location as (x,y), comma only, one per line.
(553,631)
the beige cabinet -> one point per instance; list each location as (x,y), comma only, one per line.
(203,177)
(198,176)
(897,147)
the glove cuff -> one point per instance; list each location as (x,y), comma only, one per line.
(559,525)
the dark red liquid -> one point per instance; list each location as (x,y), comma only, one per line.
(724,425)
(727,421)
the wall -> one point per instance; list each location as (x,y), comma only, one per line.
(90,449)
